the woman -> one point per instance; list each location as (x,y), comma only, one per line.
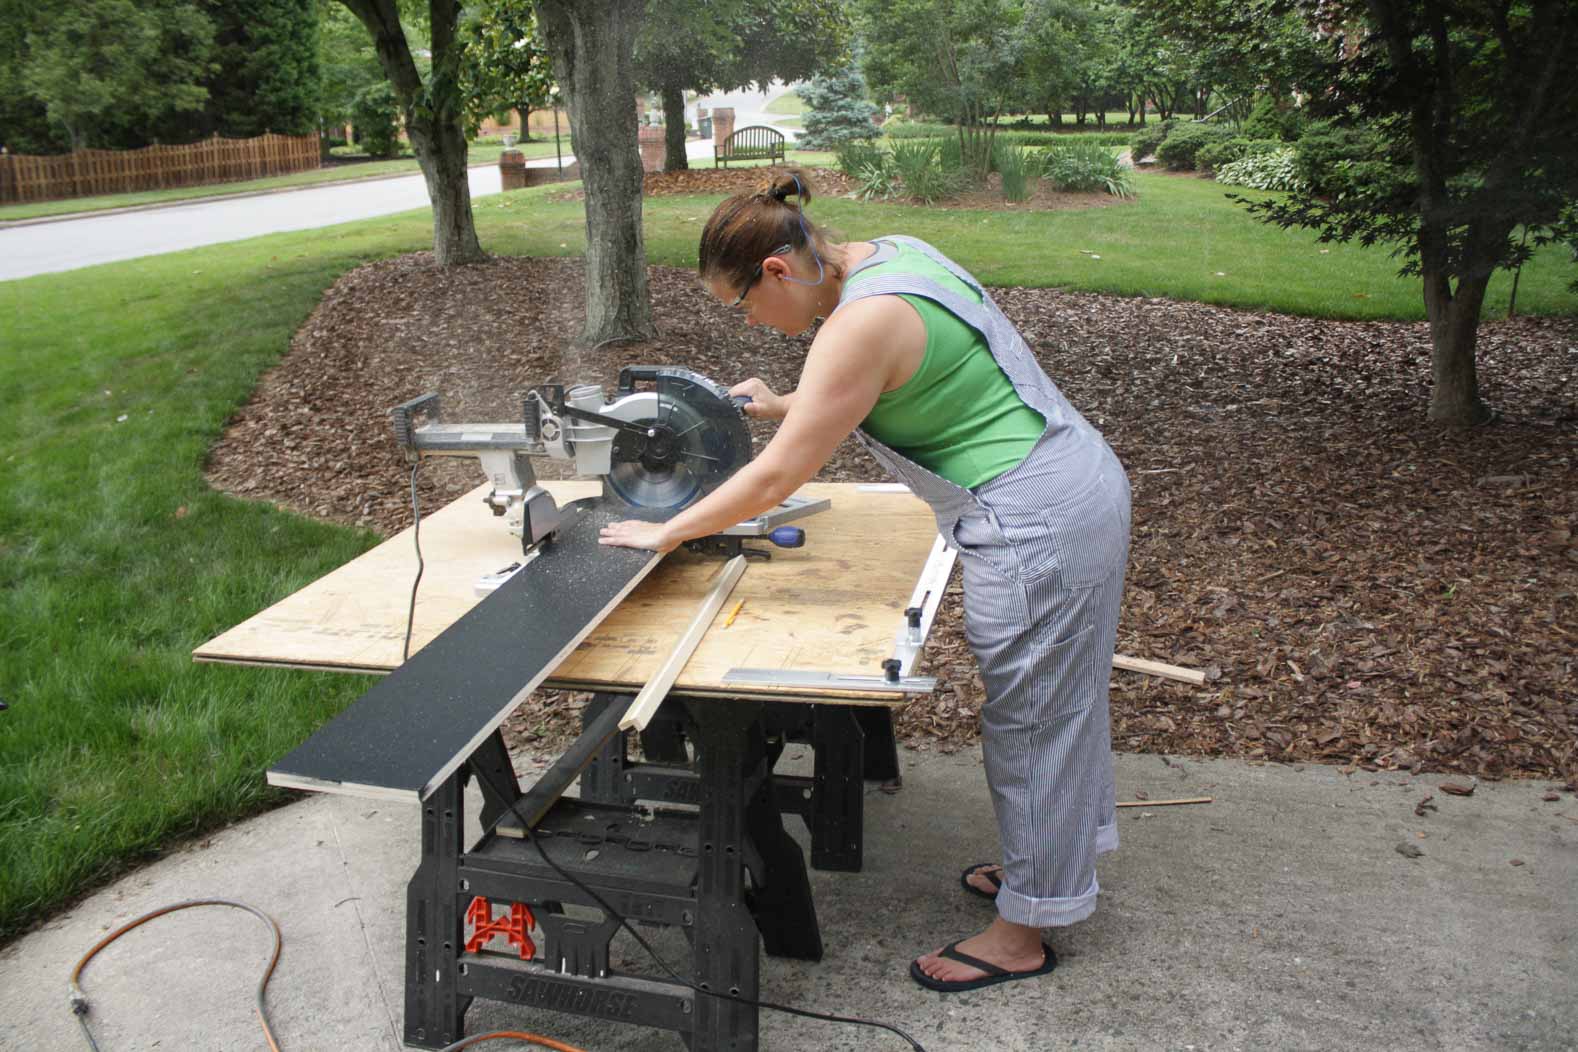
(918,362)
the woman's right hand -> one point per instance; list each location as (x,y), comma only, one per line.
(764,403)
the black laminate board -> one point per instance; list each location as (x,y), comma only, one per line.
(418,724)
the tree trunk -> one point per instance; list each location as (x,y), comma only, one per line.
(436,135)
(674,159)
(593,46)
(441,150)
(1454,338)
(524,110)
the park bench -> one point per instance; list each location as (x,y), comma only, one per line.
(756,143)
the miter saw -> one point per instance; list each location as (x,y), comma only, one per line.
(667,438)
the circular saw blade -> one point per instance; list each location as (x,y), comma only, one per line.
(696,439)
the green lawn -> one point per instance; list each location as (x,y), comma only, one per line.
(116,559)
(479,153)
(788,103)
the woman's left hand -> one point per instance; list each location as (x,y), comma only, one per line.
(633,533)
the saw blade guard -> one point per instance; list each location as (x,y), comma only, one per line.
(695,438)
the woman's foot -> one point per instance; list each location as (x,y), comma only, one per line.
(1011,947)
(983,878)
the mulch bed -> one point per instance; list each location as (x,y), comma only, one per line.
(1363,588)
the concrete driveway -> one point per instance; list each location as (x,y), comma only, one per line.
(1282,916)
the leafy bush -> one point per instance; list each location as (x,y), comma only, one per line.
(1266,171)
(1272,118)
(1214,155)
(1085,167)
(877,181)
(950,154)
(1020,169)
(1043,137)
(1147,139)
(1327,156)
(1179,149)
(374,115)
(918,164)
(853,157)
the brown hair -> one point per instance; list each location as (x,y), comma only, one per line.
(747,228)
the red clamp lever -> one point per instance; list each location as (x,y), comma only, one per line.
(515,926)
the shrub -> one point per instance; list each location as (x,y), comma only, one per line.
(950,154)
(1020,170)
(1266,171)
(1148,138)
(1081,167)
(375,118)
(1214,155)
(1272,118)
(919,167)
(853,157)
(1326,157)
(877,181)
(1178,150)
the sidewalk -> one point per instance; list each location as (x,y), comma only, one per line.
(1282,916)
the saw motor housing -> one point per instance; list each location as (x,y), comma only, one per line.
(665,439)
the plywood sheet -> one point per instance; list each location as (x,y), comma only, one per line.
(833,606)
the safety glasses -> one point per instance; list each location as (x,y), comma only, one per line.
(756,275)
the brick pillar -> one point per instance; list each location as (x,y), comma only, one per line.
(651,141)
(722,124)
(512,170)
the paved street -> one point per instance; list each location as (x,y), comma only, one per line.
(44,248)
(66,244)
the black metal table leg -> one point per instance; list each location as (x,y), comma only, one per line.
(435,1011)
(495,777)
(882,748)
(603,779)
(725,943)
(781,896)
(837,827)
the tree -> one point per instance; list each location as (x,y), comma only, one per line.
(98,64)
(432,110)
(1475,105)
(955,58)
(348,63)
(507,65)
(837,110)
(268,78)
(710,45)
(593,47)
(25,126)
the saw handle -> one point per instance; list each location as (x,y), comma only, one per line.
(788,537)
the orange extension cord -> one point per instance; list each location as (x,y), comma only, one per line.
(79,1000)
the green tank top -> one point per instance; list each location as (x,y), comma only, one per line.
(958,416)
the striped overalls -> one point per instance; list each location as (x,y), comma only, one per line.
(1043,549)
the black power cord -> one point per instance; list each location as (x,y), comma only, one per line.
(609,910)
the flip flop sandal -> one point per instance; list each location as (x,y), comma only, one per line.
(994,878)
(993,976)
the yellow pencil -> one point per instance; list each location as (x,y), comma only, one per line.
(732,613)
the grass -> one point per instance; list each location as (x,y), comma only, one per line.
(788,103)
(116,559)
(479,153)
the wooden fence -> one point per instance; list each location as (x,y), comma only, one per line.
(89,172)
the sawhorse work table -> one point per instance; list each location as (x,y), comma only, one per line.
(709,854)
